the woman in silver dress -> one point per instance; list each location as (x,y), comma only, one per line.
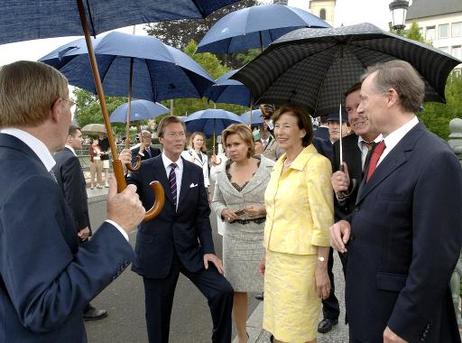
(239,200)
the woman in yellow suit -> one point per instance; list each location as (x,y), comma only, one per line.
(299,207)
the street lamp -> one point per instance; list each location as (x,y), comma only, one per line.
(398,10)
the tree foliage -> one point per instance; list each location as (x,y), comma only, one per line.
(180,32)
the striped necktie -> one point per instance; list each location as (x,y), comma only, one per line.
(172,182)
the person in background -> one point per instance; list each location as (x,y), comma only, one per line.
(333,122)
(299,207)
(145,150)
(95,164)
(105,160)
(70,178)
(197,154)
(239,200)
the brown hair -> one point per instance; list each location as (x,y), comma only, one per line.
(303,121)
(73,130)
(28,91)
(194,134)
(166,121)
(354,88)
(403,78)
(244,133)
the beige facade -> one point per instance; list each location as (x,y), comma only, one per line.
(324,9)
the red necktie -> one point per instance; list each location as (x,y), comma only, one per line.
(375,159)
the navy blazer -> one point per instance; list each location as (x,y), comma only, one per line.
(70,177)
(46,279)
(406,239)
(186,231)
(145,156)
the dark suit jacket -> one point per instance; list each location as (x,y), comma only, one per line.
(186,232)
(406,239)
(322,132)
(352,157)
(324,147)
(70,177)
(46,279)
(145,156)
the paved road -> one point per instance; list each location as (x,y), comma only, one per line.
(124,299)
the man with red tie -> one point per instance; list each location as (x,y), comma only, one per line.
(404,236)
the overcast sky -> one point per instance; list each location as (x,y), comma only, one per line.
(348,12)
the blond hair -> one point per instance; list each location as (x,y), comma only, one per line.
(244,133)
(28,91)
(191,143)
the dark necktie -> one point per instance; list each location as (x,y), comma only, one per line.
(172,182)
(368,145)
(52,173)
(375,157)
(148,152)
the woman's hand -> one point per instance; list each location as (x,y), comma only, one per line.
(229,215)
(255,210)
(322,280)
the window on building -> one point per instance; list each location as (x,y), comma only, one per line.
(430,33)
(444,49)
(322,14)
(443,31)
(457,52)
(456,29)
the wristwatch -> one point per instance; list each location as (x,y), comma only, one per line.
(321,258)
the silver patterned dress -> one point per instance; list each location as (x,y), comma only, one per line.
(243,240)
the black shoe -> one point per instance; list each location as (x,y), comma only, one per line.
(326,325)
(260,296)
(94,314)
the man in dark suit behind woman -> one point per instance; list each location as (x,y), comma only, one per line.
(404,236)
(46,278)
(69,175)
(179,239)
(145,150)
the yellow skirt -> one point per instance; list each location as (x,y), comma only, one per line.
(291,308)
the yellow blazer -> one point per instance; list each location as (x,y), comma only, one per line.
(299,204)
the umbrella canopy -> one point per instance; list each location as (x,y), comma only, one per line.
(25,20)
(94,129)
(159,71)
(314,67)
(211,121)
(255,27)
(141,110)
(229,91)
(257,118)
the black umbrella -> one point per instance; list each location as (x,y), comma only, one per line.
(314,67)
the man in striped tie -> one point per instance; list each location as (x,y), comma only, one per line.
(179,239)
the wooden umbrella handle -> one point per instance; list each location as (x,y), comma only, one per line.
(155,186)
(136,166)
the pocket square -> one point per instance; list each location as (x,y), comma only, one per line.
(192,185)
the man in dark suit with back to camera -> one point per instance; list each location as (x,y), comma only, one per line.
(69,175)
(179,239)
(46,278)
(145,150)
(403,238)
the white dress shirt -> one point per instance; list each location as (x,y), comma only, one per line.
(392,139)
(71,149)
(364,150)
(42,152)
(178,173)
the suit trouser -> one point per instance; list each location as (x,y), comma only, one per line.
(159,295)
(330,305)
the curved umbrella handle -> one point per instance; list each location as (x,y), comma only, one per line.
(136,166)
(156,187)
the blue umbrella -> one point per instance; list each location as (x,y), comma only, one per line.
(158,71)
(255,27)
(211,121)
(25,20)
(257,118)
(229,91)
(140,110)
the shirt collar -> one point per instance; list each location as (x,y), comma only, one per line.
(392,139)
(71,149)
(167,162)
(377,139)
(35,144)
(300,161)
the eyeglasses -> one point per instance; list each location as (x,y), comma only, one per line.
(72,103)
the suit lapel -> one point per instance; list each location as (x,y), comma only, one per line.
(185,182)
(396,158)
(160,174)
